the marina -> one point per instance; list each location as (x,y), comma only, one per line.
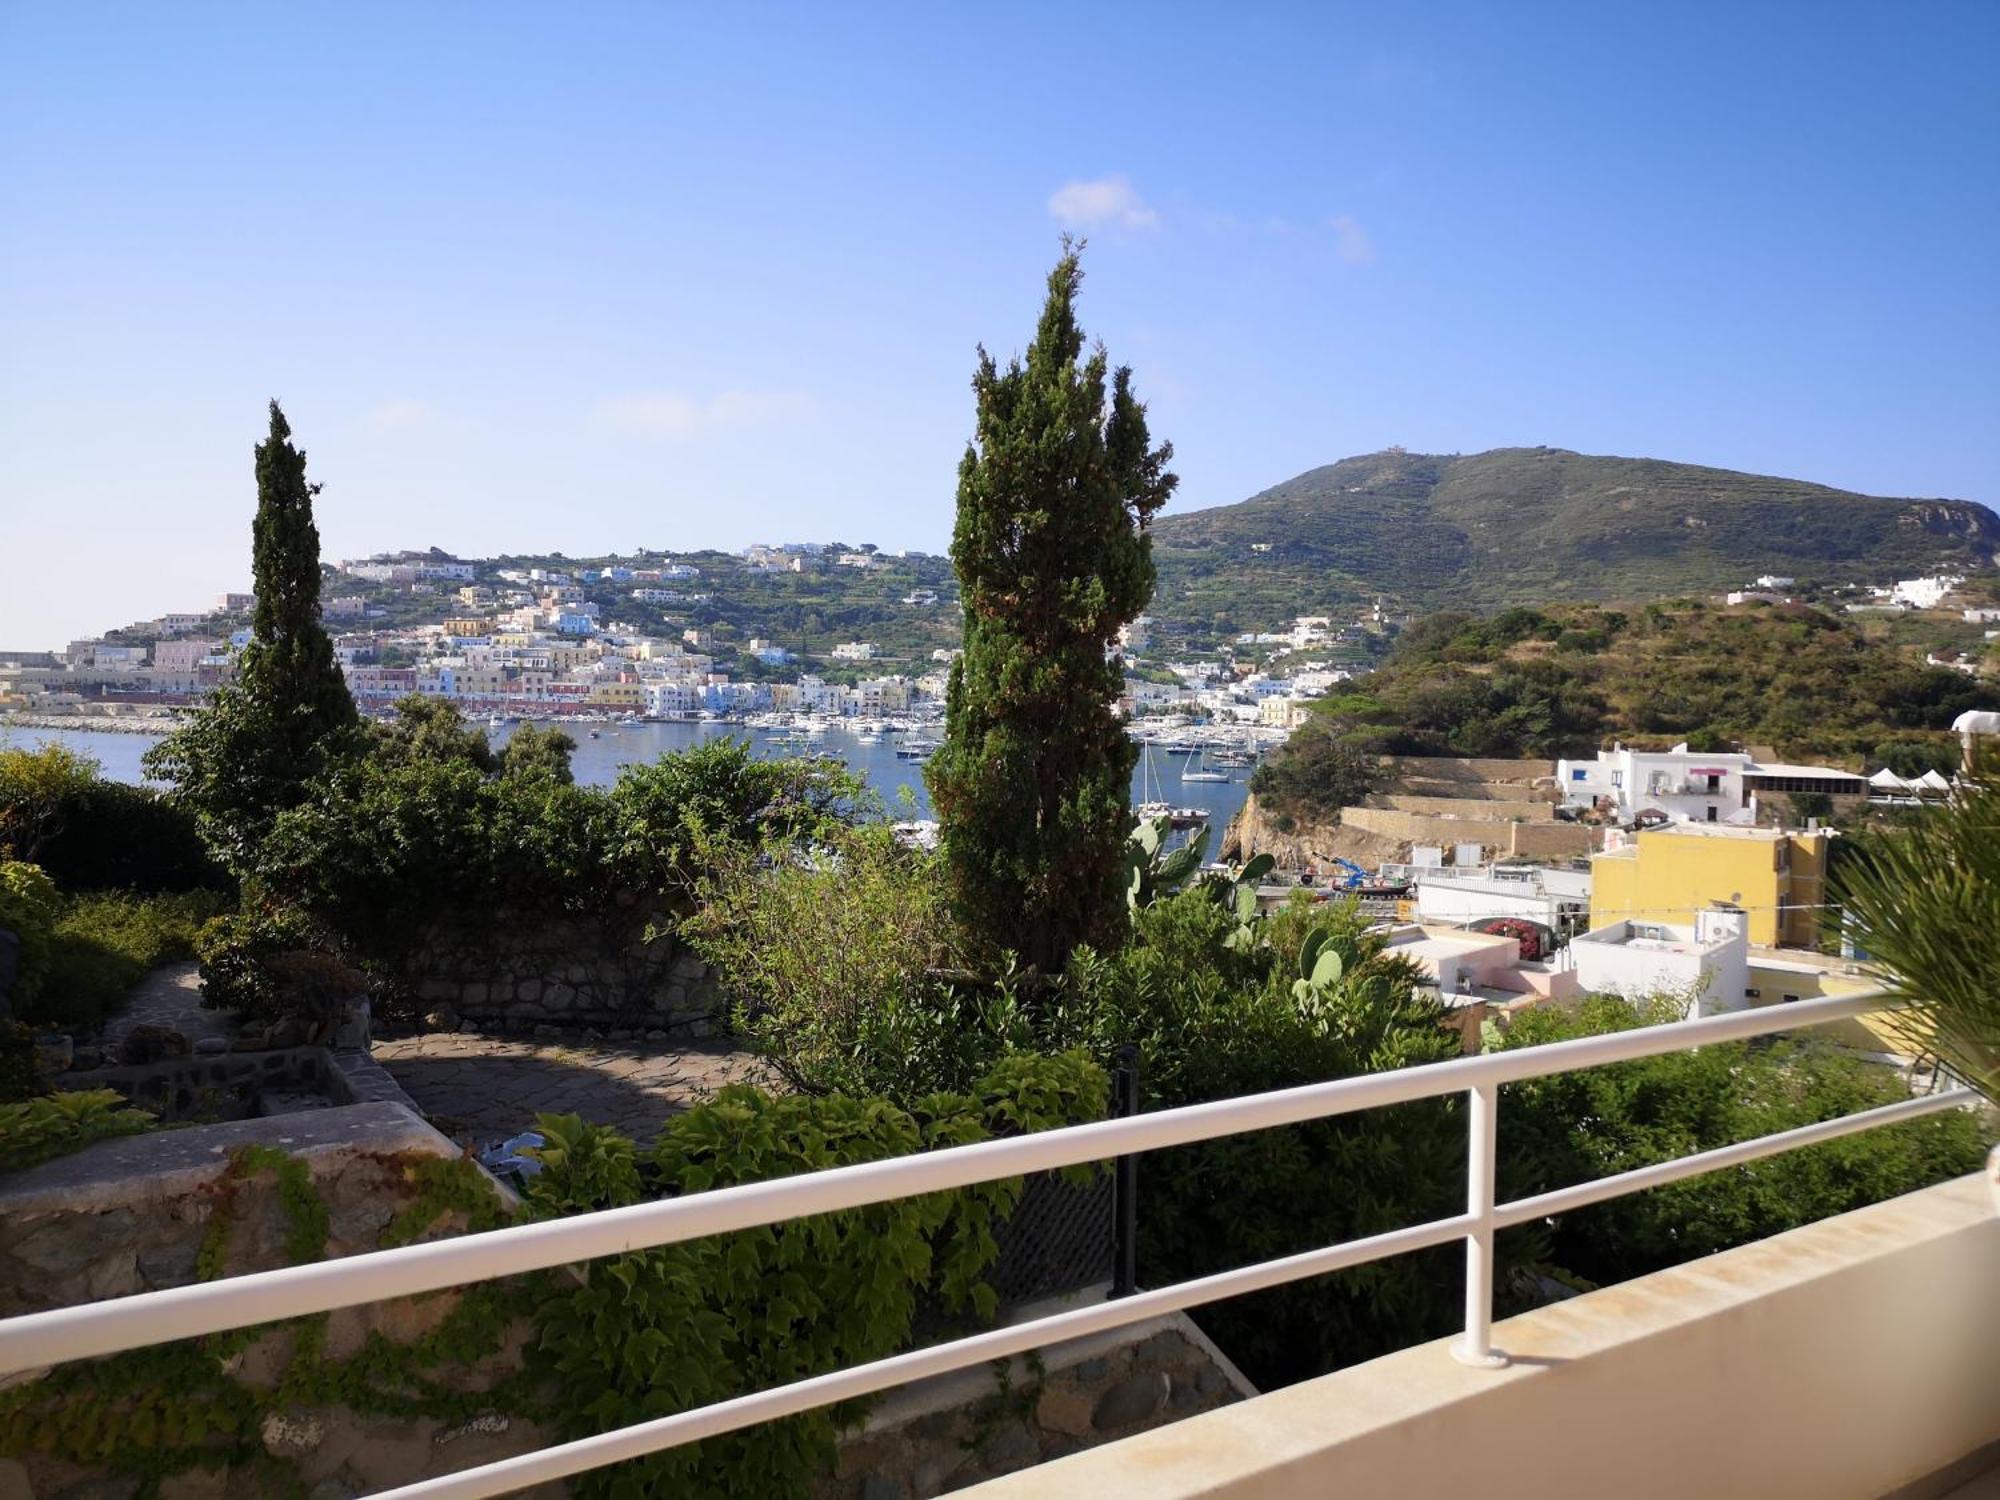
(889,753)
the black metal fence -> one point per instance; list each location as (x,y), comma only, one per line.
(1063,1236)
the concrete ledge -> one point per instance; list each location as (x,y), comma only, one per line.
(167,1164)
(1845,1359)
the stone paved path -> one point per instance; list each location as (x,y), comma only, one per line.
(481,1089)
(169,997)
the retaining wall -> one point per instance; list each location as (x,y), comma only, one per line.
(597,971)
(1495,808)
(1522,840)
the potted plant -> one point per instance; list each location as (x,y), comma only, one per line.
(1923,902)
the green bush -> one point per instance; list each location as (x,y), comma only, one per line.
(119,837)
(29,907)
(830,958)
(1592,1123)
(1213,1022)
(266,964)
(379,849)
(93,834)
(36,786)
(106,941)
(1315,769)
(660,1331)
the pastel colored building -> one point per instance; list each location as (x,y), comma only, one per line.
(1667,875)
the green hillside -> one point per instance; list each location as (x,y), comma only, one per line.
(1569,678)
(1534,526)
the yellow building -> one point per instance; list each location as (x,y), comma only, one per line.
(617,695)
(1668,874)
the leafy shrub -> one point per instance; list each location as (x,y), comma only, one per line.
(827,955)
(20,1064)
(35,788)
(1910,758)
(538,750)
(1315,769)
(36,1129)
(1592,1123)
(119,837)
(431,731)
(265,964)
(28,909)
(718,794)
(1212,1021)
(664,1330)
(378,849)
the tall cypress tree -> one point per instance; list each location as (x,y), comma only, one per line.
(244,754)
(1032,784)
(288,668)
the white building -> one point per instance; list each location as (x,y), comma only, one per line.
(1690,786)
(1775,581)
(854,651)
(668,698)
(1709,961)
(1558,899)
(380,572)
(1925,593)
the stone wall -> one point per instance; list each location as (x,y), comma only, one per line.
(956,1430)
(564,970)
(1550,840)
(1491,808)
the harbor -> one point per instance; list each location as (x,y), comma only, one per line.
(1192,771)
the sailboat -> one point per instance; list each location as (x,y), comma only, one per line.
(1195,772)
(1150,806)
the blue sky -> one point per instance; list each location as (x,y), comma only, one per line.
(601,276)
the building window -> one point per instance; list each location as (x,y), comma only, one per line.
(1791,999)
(1753,994)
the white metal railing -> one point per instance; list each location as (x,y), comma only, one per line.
(37,1340)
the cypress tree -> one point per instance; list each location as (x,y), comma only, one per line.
(1032,784)
(288,668)
(245,753)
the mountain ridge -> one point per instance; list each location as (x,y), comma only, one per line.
(1531,525)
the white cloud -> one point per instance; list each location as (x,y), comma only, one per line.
(1104,200)
(674,414)
(1350,241)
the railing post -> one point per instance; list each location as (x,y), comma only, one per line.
(1482,1153)
(1125,1180)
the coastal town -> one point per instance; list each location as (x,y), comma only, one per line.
(593,644)
(738,764)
